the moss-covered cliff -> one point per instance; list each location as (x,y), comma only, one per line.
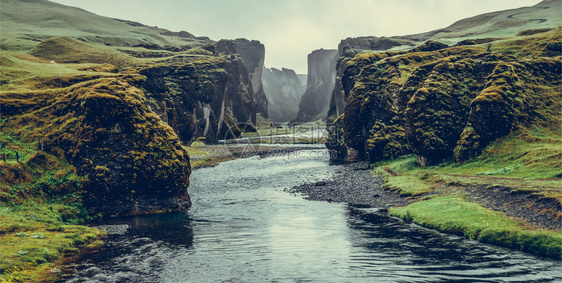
(202,98)
(438,101)
(119,103)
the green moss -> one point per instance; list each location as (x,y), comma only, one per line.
(93,122)
(452,214)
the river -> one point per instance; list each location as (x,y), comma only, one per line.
(244,227)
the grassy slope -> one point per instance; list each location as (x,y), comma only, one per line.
(532,163)
(545,14)
(25,24)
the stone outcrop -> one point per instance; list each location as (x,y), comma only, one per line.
(284,90)
(440,102)
(347,50)
(321,78)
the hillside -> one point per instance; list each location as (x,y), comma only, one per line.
(25,24)
(545,14)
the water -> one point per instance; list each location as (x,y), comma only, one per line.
(244,228)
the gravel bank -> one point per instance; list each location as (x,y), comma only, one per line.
(355,184)
(352,184)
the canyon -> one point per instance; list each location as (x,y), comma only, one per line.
(100,117)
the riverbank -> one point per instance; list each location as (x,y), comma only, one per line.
(494,213)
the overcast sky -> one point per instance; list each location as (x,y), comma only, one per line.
(291,29)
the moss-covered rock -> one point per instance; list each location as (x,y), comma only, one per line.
(438,111)
(516,94)
(131,160)
(438,102)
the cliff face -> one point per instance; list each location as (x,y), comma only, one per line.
(347,50)
(252,53)
(440,102)
(284,90)
(203,98)
(320,84)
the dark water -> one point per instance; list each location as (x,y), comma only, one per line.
(244,228)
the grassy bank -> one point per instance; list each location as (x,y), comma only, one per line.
(40,213)
(453,214)
(527,163)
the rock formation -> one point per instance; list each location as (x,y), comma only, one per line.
(202,98)
(320,84)
(439,102)
(131,162)
(284,90)
(253,54)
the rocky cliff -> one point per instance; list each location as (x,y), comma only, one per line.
(321,78)
(347,49)
(202,98)
(252,53)
(441,102)
(284,90)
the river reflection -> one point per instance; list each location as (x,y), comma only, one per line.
(244,228)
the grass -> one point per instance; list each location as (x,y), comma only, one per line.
(34,236)
(404,176)
(40,213)
(202,155)
(453,214)
(21,72)
(527,159)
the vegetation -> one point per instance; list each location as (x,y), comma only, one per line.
(41,212)
(453,214)
(526,161)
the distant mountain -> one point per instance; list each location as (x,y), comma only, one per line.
(320,82)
